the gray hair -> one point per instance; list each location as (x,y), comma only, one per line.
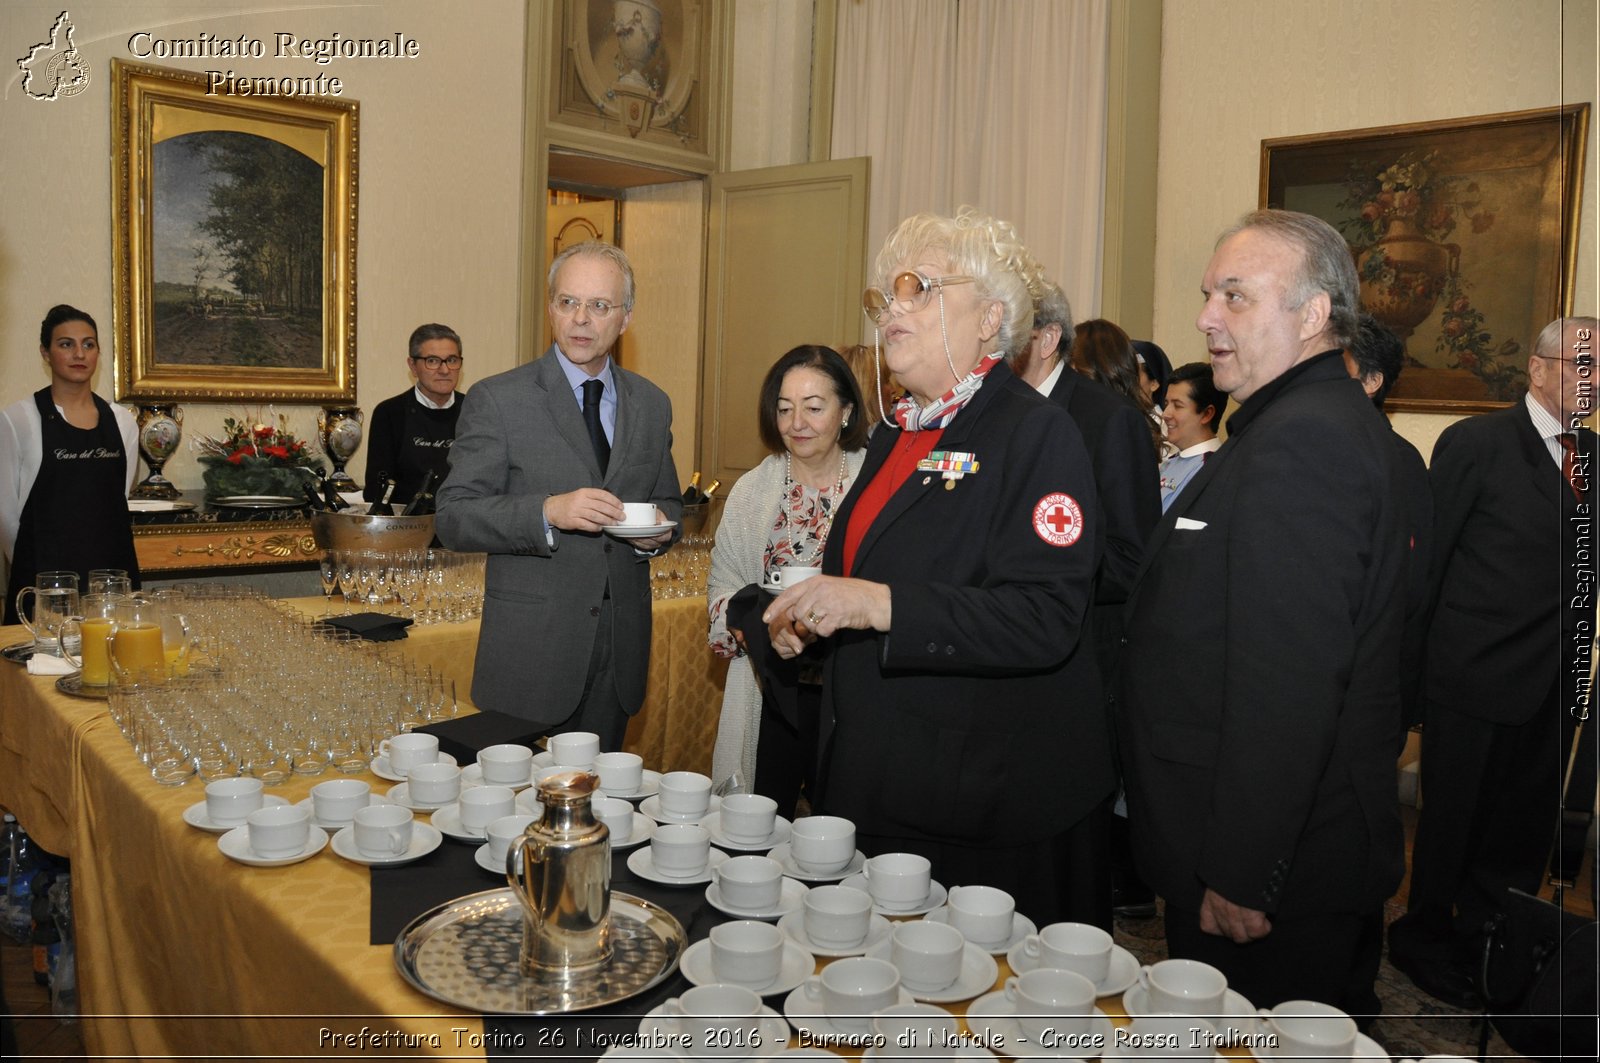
(978,246)
(1325,265)
(423,333)
(1050,307)
(1548,345)
(610,252)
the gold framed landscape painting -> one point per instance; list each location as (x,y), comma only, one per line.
(235,242)
(1464,234)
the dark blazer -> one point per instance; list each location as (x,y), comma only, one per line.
(1419,529)
(973,720)
(1260,704)
(521,439)
(1502,623)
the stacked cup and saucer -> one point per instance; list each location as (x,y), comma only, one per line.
(1079,947)
(629,827)
(467,819)
(624,775)
(501,834)
(227,804)
(747,823)
(754,887)
(385,835)
(900,884)
(1193,989)
(397,755)
(429,779)
(836,921)
(986,916)
(718,1021)
(503,764)
(751,954)
(837,1005)
(1046,1013)
(820,849)
(333,804)
(682,797)
(679,854)
(273,836)
(936,963)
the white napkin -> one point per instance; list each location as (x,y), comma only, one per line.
(40,664)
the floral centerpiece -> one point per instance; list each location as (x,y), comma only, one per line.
(256,457)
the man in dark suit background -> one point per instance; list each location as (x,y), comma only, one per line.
(1260,680)
(544,457)
(1507,657)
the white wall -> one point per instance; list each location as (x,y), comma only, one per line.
(1235,73)
(440,144)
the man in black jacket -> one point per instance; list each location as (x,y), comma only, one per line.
(411,434)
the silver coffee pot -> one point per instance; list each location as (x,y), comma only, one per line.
(560,869)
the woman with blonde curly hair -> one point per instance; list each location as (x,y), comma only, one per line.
(967,724)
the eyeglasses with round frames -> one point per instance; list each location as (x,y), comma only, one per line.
(599,309)
(434,362)
(911,288)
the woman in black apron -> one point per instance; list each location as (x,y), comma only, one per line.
(75,514)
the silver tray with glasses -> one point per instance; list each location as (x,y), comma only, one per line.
(467,953)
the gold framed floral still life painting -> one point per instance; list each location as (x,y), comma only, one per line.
(234,241)
(1464,234)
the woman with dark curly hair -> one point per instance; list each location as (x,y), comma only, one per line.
(1104,353)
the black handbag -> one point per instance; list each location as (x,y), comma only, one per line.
(1539,980)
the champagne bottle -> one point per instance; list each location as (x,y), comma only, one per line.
(422,503)
(313,498)
(382,508)
(691,494)
(712,489)
(330,496)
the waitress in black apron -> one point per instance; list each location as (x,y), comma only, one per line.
(74,516)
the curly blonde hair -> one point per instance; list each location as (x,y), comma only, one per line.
(980,246)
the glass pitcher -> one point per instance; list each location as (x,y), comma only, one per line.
(147,642)
(55,597)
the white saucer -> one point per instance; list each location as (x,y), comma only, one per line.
(448,820)
(637,531)
(649,786)
(332,826)
(1238,1019)
(235,845)
(779,835)
(528,803)
(642,863)
(543,758)
(797,966)
(807,1016)
(935,899)
(1121,976)
(782,855)
(380,767)
(481,855)
(401,795)
(472,775)
(993,1016)
(424,840)
(651,806)
(769,1037)
(195,815)
(978,974)
(643,828)
(790,900)
(1021,927)
(794,925)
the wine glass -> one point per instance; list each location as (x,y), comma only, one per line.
(328,572)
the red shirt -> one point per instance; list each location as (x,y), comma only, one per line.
(909,449)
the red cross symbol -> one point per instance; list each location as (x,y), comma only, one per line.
(1058,519)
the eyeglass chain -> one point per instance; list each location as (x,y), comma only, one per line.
(877,373)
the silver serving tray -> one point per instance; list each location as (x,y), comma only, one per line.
(467,953)
(74,687)
(19,653)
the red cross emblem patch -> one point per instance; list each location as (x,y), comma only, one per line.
(1058,519)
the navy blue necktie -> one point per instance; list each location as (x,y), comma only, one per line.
(592,390)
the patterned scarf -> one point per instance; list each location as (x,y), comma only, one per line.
(913,418)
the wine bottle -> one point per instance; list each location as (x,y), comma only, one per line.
(712,489)
(691,494)
(330,497)
(313,498)
(382,508)
(422,503)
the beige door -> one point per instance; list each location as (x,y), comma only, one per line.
(785,262)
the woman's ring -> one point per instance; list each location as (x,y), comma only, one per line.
(812,618)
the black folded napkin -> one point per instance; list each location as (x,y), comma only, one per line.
(400,894)
(374,627)
(463,736)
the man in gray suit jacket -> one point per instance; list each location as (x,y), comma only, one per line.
(543,460)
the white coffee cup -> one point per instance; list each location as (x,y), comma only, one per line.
(850,990)
(230,801)
(837,917)
(685,794)
(896,880)
(747,952)
(750,883)
(621,774)
(1184,987)
(278,830)
(383,830)
(1167,1035)
(406,751)
(1076,947)
(616,814)
(820,844)
(337,800)
(983,914)
(928,955)
(714,1017)
(482,805)
(680,850)
(1309,1030)
(505,764)
(434,783)
(1048,999)
(915,1031)
(748,818)
(789,575)
(504,832)
(578,748)
(638,514)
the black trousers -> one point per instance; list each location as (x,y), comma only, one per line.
(600,709)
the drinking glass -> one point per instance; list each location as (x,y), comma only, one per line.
(328,572)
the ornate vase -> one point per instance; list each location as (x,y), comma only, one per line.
(1405,283)
(340,431)
(160,429)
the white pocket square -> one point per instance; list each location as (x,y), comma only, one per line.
(1185,524)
